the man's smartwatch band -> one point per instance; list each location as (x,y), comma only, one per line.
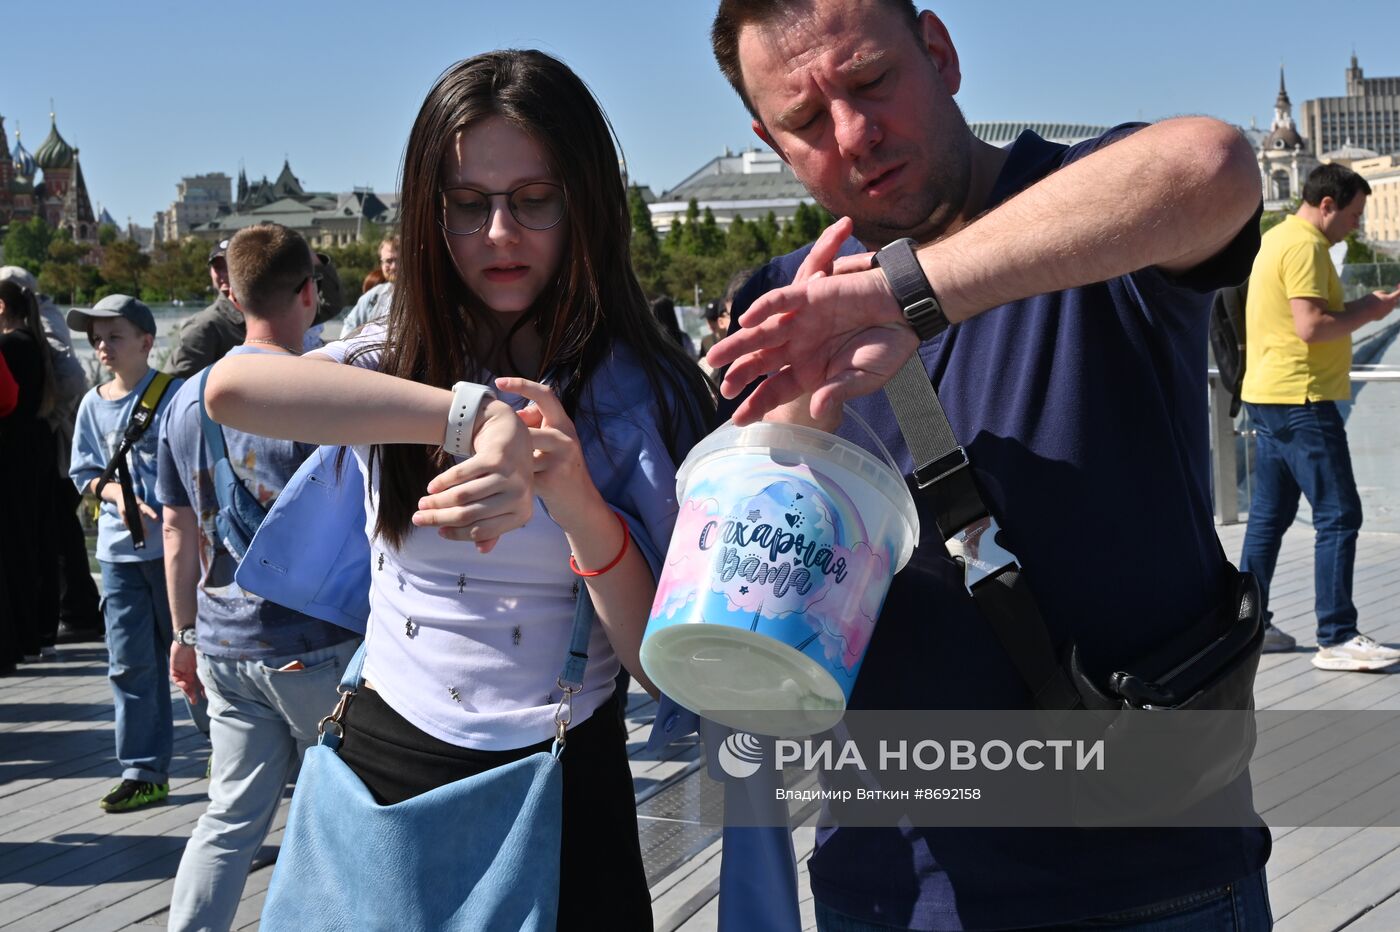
(911,288)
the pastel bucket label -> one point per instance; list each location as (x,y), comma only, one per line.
(778,550)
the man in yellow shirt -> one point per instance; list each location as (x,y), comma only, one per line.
(1296,370)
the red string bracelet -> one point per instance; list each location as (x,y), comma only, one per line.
(626,539)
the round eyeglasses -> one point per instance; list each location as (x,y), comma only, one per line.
(538,205)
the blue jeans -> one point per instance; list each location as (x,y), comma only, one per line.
(261,721)
(138,652)
(1242,906)
(1302,449)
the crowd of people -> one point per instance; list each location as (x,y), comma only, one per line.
(509,410)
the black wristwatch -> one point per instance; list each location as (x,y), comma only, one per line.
(186,636)
(911,288)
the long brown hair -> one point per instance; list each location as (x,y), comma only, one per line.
(439,332)
(22,305)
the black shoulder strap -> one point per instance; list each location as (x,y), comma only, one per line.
(142,417)
(943,481)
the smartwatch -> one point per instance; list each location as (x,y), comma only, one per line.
(186,636)
(467,399)
(911,288)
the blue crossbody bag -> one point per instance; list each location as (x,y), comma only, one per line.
(240,514)
(480,854)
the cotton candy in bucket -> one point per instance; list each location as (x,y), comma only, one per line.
(785,544)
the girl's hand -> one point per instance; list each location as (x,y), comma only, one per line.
(561,478)
(489,493)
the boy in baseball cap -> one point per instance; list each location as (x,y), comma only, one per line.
(117,436)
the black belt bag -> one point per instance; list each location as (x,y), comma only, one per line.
(1208,667)
(1206,670)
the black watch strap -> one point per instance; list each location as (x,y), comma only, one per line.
(911,288)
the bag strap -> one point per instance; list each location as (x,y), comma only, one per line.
(142,417)
(213,433)
(943,480)
(570,679)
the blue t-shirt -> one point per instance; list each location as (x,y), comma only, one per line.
(97,434)
(233,624)
(1083,413)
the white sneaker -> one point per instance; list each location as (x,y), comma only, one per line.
(1360,654)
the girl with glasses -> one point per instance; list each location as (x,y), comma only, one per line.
(514,275)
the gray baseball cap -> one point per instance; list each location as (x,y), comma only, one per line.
(22,276)
(114,305)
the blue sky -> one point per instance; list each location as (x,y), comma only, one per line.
(151,90)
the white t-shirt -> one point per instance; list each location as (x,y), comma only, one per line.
(468,646)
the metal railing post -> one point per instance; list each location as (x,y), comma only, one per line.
(1225,469)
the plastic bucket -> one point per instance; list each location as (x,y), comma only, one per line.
(785,544)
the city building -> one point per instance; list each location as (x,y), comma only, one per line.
(1002,133)
(323,218)
(1285,157)
(1381,221)
(198,199)
(747,184)
(1367,117)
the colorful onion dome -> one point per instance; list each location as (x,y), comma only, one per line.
(54,152)
(24,163)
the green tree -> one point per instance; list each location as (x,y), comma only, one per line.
(107,234)
(767,230)
(684,237)
(648,261)
(1358,252)
(123,265)
(65,275)
(353,262)
(179,271)
(744,246)
(709,238)
(27,245)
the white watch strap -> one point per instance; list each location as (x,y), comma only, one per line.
(467,398)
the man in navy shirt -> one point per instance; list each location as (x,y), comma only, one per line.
(1077,284)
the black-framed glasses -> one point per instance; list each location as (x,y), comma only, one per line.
(315,276)
(538,205)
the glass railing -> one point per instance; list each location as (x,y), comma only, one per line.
(1373,434)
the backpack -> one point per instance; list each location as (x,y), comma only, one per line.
(240,513)
(1227,339)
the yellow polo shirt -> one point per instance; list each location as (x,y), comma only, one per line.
(1279,367)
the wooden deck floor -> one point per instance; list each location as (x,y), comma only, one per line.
(66,865)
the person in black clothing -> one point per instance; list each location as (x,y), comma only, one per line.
(27,463)
(664,310)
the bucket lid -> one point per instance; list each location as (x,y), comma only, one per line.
(764,437)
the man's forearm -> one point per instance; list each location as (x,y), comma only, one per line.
(1170,195)
(181,571)
(1366,309)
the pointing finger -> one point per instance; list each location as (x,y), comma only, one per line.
(542,395)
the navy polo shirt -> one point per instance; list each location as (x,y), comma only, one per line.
(1084,414)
